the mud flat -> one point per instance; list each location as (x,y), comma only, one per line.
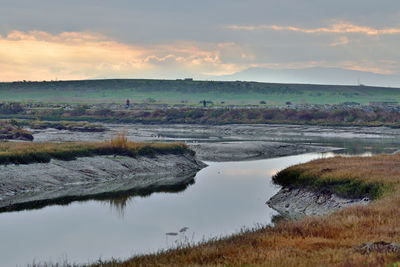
(237,151)
(214,133)
(30,185)
(216,143)
(295,203)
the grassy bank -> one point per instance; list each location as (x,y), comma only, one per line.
(347,177)
(332,240)
(25,153)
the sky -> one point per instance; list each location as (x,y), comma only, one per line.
(268,40)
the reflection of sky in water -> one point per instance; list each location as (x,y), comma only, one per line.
(226,197)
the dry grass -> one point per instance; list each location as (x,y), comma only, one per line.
(120,141)
(25,153)
(331,240)
(356,176)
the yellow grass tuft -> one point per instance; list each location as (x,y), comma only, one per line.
(120,141)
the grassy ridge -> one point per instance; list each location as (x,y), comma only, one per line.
(176,91)
(332,240)
(25,153)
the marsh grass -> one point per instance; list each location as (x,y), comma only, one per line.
(347,177)
(331,240)
(25,153)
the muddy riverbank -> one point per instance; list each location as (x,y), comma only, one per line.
(238,151)
(215,133)
(295,203)
(27,185)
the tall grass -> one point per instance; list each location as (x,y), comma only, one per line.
(120,141)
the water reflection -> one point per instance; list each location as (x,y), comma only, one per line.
(119,204)
(117,200)
(357,146)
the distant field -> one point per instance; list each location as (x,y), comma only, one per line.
(190,92)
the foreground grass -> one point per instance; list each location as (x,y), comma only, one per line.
(331,240)
(25,153)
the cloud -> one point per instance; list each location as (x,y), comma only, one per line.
(337,28)
(365,67)
(342,40)
(39,55)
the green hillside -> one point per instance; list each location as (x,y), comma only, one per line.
(191,92)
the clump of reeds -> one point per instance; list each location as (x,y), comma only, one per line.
(120,141)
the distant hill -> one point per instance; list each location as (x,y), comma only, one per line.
(316,75)
(188,91)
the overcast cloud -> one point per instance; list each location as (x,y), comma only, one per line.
(47,39)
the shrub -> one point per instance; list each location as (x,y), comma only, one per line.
(149,100)
(78,111)
(103,112)
(11,108)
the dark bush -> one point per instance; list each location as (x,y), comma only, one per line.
(11,108)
